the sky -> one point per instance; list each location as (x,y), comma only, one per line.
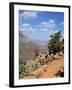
(39,25)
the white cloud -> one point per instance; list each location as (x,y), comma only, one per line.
(29,15)
(27,27)
(62,23)
(44,29)
(50,24)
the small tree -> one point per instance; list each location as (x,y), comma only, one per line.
(36,53)
(55,43)
(62,47)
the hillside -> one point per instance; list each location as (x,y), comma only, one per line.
(35,62)
(26,48)
(47,71)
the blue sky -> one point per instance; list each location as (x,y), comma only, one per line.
(39,25)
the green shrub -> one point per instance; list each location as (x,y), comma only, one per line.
(27,67)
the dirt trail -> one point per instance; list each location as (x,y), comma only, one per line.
(47,71)
(52,68)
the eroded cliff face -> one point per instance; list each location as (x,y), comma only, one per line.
(26,48)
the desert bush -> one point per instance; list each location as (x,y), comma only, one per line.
(26,68)
(36,52)
(23,71)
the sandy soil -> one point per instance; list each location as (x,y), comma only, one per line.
(52,69)
(47,71)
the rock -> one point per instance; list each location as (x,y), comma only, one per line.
(60,72)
